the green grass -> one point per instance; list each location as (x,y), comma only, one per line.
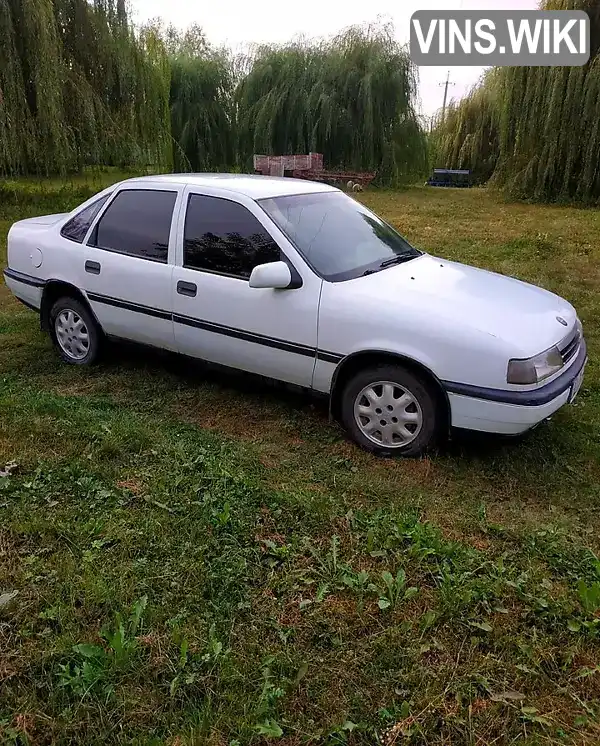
(203,559)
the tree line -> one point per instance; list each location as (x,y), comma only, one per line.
(534,131)
(80,86)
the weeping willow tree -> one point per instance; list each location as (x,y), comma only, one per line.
(352,98)
(16,122)
(272,100)
(79,87)
(469,135)
(534,130)
(31,104)
(201,113)
(550,125)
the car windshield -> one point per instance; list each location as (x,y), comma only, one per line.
(337,235)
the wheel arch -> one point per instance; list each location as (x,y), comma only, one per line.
(55,289)
(358,361)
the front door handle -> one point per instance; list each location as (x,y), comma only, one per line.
(92,267)
(187,288)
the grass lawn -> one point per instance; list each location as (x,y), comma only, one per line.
(192,558)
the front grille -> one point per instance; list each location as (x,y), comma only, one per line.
(569,347)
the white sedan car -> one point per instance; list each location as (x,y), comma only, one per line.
(299,282)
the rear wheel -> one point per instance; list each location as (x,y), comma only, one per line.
(390,411)
(74,331)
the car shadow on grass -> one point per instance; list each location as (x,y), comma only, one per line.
(299,409)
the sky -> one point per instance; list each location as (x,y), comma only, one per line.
(237,23)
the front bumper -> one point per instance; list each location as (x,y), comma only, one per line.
(514,412)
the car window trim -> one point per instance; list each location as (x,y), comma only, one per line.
(103,209)
(216,272)
(106,199)
(232,275)
(109,202)
(133,256)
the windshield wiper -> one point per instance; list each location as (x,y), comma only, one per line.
(398,259)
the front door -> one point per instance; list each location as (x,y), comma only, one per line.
(218,316)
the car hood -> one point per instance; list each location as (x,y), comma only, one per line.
(524,315)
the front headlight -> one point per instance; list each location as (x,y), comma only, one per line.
(535,369)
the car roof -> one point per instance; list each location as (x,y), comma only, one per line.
(250,185)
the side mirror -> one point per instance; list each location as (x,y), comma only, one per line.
(275,275)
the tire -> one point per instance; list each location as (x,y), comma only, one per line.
(70,316)
(399,414)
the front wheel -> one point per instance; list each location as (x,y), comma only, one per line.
(74,331)
(390,411)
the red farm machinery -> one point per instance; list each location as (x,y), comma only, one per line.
(309,167)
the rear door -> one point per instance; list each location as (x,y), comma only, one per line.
(217,315)
(126,266)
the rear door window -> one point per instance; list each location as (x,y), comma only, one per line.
(137,223)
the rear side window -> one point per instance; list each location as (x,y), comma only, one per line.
(78,226)
(223,236)
(137,222)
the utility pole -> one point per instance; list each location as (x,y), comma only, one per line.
(446,84)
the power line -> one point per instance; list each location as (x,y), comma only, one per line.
(445,84)
(448,82)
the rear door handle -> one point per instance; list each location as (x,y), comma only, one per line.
(92,267)
(187,288)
